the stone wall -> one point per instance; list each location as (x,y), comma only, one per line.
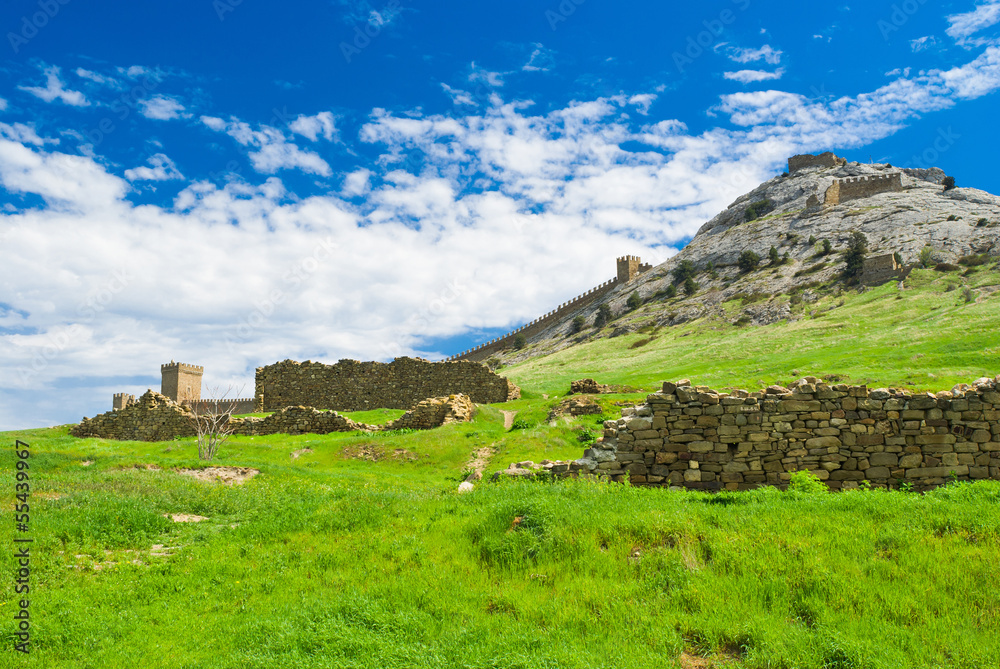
(181,382)
(484,351)
(879,269)
(827,159)
(854,188)
(236,406)
(697,438)
(155,417)
(358,386)
(121,400)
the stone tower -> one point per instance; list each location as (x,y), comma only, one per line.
(630,267)
(180,382)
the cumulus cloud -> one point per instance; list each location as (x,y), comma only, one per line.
(963,26)
(55,89)
(162,108)
(767,53)
(160,168)
(540,60)
(97,78)
(753,76)
(312,127)
(270,149)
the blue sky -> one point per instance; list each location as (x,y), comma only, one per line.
(230,183)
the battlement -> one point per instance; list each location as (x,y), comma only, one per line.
(180,366)
(120,401)
(630,267)
(181,382)
(854,188)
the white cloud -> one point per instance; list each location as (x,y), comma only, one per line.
(459,97)
(161,169)
(478,74)
(922,43)
(24,134)
(97,78)
(753,76)
(767,53)
(3,104)
(55,90)
(272,150)
(962,26)
(162,108)
(643,102)
(314,126)
(541,59)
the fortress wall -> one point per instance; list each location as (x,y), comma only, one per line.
(854,188)
(245,405)
(484,351)
(356,386)
(700,439)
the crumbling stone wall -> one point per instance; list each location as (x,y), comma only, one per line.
(697,438)
(357,386)
(879,269)
(155,417)
(827,159)
(854,188)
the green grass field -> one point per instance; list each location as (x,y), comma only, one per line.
(359,552)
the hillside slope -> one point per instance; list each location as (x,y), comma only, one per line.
(951,224)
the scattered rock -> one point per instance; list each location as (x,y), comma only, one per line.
(184,517)
(575,406)
(225,475)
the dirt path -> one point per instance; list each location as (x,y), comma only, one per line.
(508,419)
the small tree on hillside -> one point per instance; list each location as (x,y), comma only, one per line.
(520,341)
(671,291)
(211,421)
(827,247)
(773,257)
(748,261)
(948,183)
(684,269)
(634,301)
(690,287)
(577,324)
(603,316)
(857,248)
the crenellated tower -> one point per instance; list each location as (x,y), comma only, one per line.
(181,382)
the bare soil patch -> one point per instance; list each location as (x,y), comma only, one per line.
(374,453)
(508,419)
(226,475)
(184,517)
(294,455)
(480,460)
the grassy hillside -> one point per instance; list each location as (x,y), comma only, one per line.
(355,550)
(926,337)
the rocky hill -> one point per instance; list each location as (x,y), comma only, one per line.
(916,217)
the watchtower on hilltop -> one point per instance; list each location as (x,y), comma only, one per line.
(630,267)
(181,382)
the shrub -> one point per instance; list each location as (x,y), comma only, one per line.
(857,248)
(948,183)
(684,270)
(690,287)
(577,324)
(827,247)
(974,260)
(603,316)
(671,291)
(812,240)
(758,209)
(805,481)
(927,256)
(982,223)
(742,322)
(634,301)
(968,295)
(520,341)
(946,267)
(641,342)
(748,261)
(773,257)
(953,217)
(897,257)
(519,424)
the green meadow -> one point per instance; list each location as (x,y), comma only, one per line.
(356,550)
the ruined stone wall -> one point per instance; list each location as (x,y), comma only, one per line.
(121,400)
(484,351)
(854,188)
(236,406)
(700,439)
(879,269)
(827,159)
(155,417)
(357,386)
